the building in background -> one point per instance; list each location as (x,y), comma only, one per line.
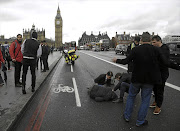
(86,40)
(171,38)
(58,29)
(3,40)
(124,39)
(40,33)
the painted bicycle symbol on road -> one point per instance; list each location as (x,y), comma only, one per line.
(62,88)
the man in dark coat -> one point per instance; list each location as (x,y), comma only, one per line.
(145,74)
(104,79)
(100,93)
(44,56)
(31,50)
(123,84)
(159,88)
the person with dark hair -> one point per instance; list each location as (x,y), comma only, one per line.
(130,47)
(123,85)
(31,50)
(145,74)
(104,79)
(40,59)
(44,57)
(159,88)
(16,56)
(48,52)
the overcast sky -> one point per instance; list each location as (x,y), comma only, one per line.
(131,16)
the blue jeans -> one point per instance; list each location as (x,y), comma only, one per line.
(146,90)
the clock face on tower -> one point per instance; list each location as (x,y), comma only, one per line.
(58,22)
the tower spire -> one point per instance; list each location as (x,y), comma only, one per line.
(58,12)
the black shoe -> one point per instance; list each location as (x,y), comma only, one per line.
(33,89)
(43,71)
(119,100)
(18,85)
(23,91)
(144,124)
(126,120)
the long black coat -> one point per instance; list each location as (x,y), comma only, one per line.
(146,59)
(101,80)
(100,93)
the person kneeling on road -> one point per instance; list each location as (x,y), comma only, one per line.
(123,85)
(101,93)
(104,79)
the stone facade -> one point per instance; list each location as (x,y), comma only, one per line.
(85,39)
(27,33)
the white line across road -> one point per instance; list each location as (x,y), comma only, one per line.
(78,102)
(167,84)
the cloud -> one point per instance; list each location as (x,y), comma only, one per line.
(6,1)
(5,17)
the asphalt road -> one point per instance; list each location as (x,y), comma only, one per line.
(60,106)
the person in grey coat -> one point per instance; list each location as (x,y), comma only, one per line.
(100,93)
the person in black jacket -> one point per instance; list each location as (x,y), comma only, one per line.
(123,84)
(104,79)
(145,74)
(31,50)
(159,88)
(44,57)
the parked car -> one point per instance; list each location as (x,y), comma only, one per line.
(174,48)
(122,49)
(81,47)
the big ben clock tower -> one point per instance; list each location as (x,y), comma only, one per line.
(58,29)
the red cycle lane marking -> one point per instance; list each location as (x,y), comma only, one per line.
(36,112)
(39,121)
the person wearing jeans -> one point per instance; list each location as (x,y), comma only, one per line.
(146,73)
(146,90)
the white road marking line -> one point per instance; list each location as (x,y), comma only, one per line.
(167,84)
(78,102)
(173,86)
(125,68)
(71,68)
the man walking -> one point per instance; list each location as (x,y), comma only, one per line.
(31,50)
(16,56)
(145,74)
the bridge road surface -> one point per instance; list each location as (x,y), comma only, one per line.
(51,110)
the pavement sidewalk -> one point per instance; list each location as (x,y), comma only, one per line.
(12,101)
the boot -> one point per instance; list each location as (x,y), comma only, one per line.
(33,89)
(23,90)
